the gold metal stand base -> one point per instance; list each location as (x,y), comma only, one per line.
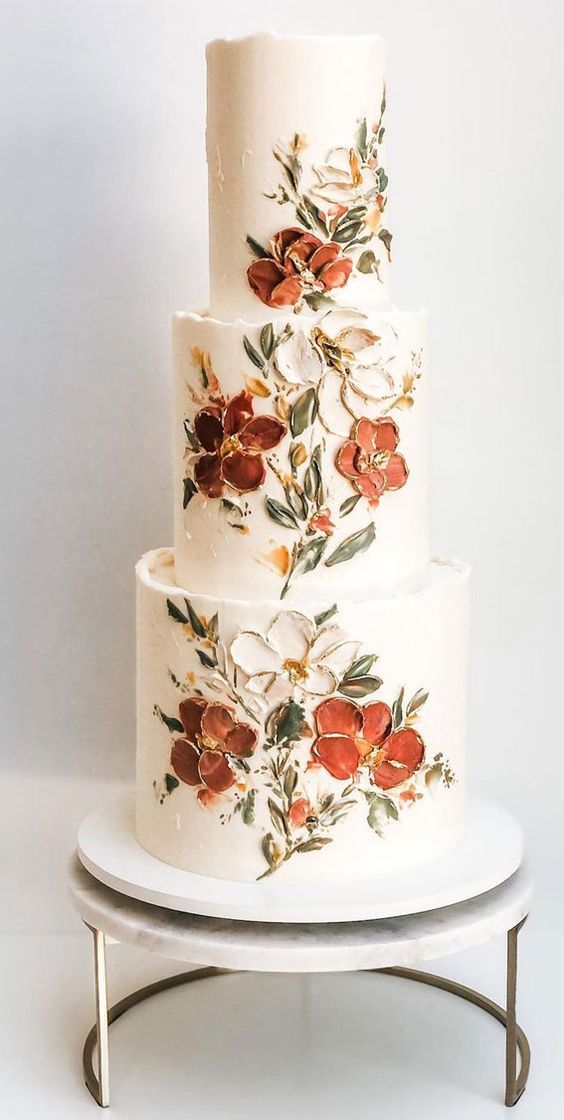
(98,1082)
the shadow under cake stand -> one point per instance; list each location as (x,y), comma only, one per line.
(479,891)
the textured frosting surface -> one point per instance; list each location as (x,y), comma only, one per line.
(301,455)
(297,179)
(319,743)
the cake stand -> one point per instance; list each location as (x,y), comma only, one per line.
(387,944)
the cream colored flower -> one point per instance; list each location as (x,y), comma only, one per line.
(343,180)
(359,376)
(293,657)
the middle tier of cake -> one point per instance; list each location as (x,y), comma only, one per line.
(301,455)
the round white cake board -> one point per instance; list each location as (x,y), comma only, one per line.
(490,852)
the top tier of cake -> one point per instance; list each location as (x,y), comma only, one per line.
(297,180)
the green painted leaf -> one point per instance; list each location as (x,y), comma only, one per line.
(281,514)
(306,557)
(190,489)
(171,722)
(351,546)
(195,622)
(325,615)
(349,504)
(359,687)
(361,138)
(361,667)
(304,412)
(170,782)
(367,262)
(268,849)
(297,503)
(397,710)
(290,782)
(314,844)
(318,301)
(191,435)
(386,239)
(212,628)
(267,340)
(175,612)
(380,810)
(289,722)
(248,810)
(207,661)
(382,180)
(417,701)
(257,248)
(252,353)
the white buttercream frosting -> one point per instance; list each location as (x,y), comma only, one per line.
(294,131)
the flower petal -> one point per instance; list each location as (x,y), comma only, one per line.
(338,754)
(297,360)
(377,723)
(299,812)
(263,276)
(241,741)
(262,433)
(365,432)
(324,255)
(252,653)
(325,640)
(238,412)
(215,771)
(287,293)
(396,472)
(284,239)
(243,471)
(340,658)
(387,435)
(339,717)
(209,427)
(184,759)
(320,681)
(303,248)
(346,458)
(371,485)
(335,275)
(404,750)
(207,475)
(291,635)
(191,712)
(217,722)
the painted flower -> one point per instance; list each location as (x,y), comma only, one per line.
(233,439)
(301,812)
(369,458)
(343,179)
(293,656)
(212,736)
(349,736)
(299,263)
(321,522)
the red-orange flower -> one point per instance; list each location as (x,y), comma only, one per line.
(348,736)
(299,812)
(321,522)
(233,439)
(300,262)
(212,734)
(369,458)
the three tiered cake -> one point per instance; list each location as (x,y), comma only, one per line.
(301,660)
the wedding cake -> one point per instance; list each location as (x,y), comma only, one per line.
(301,659)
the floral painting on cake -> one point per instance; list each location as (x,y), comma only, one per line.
(286,730)
(339,221)
(311,429)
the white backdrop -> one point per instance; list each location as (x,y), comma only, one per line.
(103,218)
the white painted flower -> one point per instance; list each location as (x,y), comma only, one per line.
(298,360)
(343,179)
(359,379)
(293,656)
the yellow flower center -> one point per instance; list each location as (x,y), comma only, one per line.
(206,743)
(229,445)
(296,670)
(377,461)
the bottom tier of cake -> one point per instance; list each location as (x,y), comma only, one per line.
(324,743)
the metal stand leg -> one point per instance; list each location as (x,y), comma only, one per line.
(514,1086)
(100,1086)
